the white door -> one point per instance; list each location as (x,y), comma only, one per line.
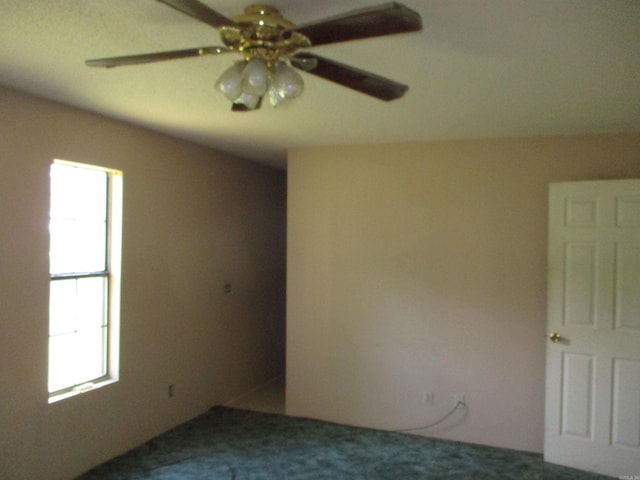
(592,411)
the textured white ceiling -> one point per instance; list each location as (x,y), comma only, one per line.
(479,68)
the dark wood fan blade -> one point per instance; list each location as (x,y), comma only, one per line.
(363,23)
(351,77)
(154,57)
(200,12)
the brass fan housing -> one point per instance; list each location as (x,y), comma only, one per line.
(259,33)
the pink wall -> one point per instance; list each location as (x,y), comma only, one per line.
(421,267)
(194,219)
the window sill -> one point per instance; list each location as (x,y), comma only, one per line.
(80,389)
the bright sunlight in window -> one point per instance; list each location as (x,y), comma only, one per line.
(84,258)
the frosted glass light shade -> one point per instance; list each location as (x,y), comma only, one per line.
(245,83)
(255,77)
(286,81)
(230,82)
(275,99)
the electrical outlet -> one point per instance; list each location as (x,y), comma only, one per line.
(172,390)
(428,398)
(458,399)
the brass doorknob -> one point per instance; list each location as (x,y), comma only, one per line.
(554,337)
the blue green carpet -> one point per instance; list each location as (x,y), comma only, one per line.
(230,444)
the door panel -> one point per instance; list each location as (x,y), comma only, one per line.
(580,284)
(577,395)
(592,413)
(626,403)
(627,285)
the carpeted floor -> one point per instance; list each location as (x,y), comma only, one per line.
(232,444)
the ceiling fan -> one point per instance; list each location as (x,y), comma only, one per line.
(270,45)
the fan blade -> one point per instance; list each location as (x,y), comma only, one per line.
(363,23)
(199,11)
(154,57)
(350,77)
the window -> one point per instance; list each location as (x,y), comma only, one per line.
(84,264)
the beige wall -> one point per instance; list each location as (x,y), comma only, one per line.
(422,267)
(193,220)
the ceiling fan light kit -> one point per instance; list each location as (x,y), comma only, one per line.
(245,83)
(270,44)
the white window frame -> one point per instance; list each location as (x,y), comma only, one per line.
(112,274)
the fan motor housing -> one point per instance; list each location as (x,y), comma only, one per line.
(258,33)
(263,15)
